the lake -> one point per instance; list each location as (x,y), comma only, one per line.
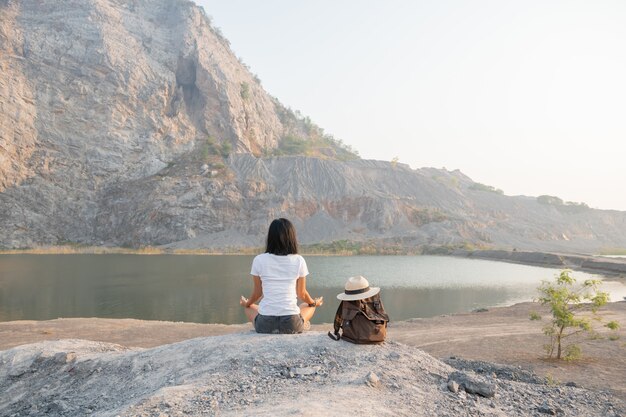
(206,289)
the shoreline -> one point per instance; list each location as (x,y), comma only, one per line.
(610,267)
(601,264)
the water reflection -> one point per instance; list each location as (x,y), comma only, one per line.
(206,289)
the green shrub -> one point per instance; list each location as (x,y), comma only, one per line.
(551,380)
(208,148)
(423,215)
(447,180)
(303,137)
(549,200)
(245,91)
(565,300)
(488,188)
(293,145)
(204,152)
(225,149)
(572,352)
(563,206)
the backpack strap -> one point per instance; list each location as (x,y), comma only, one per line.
(377,303)
(337,324)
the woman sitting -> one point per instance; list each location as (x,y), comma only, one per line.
(279,277)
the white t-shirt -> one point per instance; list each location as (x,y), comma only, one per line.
(278,276)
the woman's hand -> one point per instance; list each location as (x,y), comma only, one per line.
(319,301)
(243,301)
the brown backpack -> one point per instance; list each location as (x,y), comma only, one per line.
(361,321)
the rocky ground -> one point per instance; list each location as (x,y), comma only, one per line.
(243,373)
(250,374)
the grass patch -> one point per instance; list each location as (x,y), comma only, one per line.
(80,249)
(613,252)
(349,248)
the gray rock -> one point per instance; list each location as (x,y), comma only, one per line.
(473,385)
(545,408)
(372,380)
(453,386)
(306,371)
(64,357)
(17,372)
(499,371)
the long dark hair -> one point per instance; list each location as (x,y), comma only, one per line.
(281,238)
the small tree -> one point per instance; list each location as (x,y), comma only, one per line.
(565,299)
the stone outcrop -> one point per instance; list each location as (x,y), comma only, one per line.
(268,375)
(133,123)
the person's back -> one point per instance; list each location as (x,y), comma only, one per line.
(279,277)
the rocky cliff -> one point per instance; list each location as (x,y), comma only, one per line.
(133,123)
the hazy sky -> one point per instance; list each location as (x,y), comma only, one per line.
(527,96)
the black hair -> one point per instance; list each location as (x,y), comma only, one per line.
(281,238)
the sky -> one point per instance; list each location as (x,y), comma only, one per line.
(527,96)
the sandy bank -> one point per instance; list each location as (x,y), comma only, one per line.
(588,263)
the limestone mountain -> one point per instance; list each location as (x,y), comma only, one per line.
(133,123)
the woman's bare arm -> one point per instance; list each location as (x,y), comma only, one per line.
(304,295)
(257,292)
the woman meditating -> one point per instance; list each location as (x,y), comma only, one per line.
(279,277)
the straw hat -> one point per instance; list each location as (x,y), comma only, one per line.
(357,288)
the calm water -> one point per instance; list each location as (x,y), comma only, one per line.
(206,289)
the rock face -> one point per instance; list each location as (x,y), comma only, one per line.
(133,123)
(96,93)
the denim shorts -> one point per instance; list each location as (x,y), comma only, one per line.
(279,324)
